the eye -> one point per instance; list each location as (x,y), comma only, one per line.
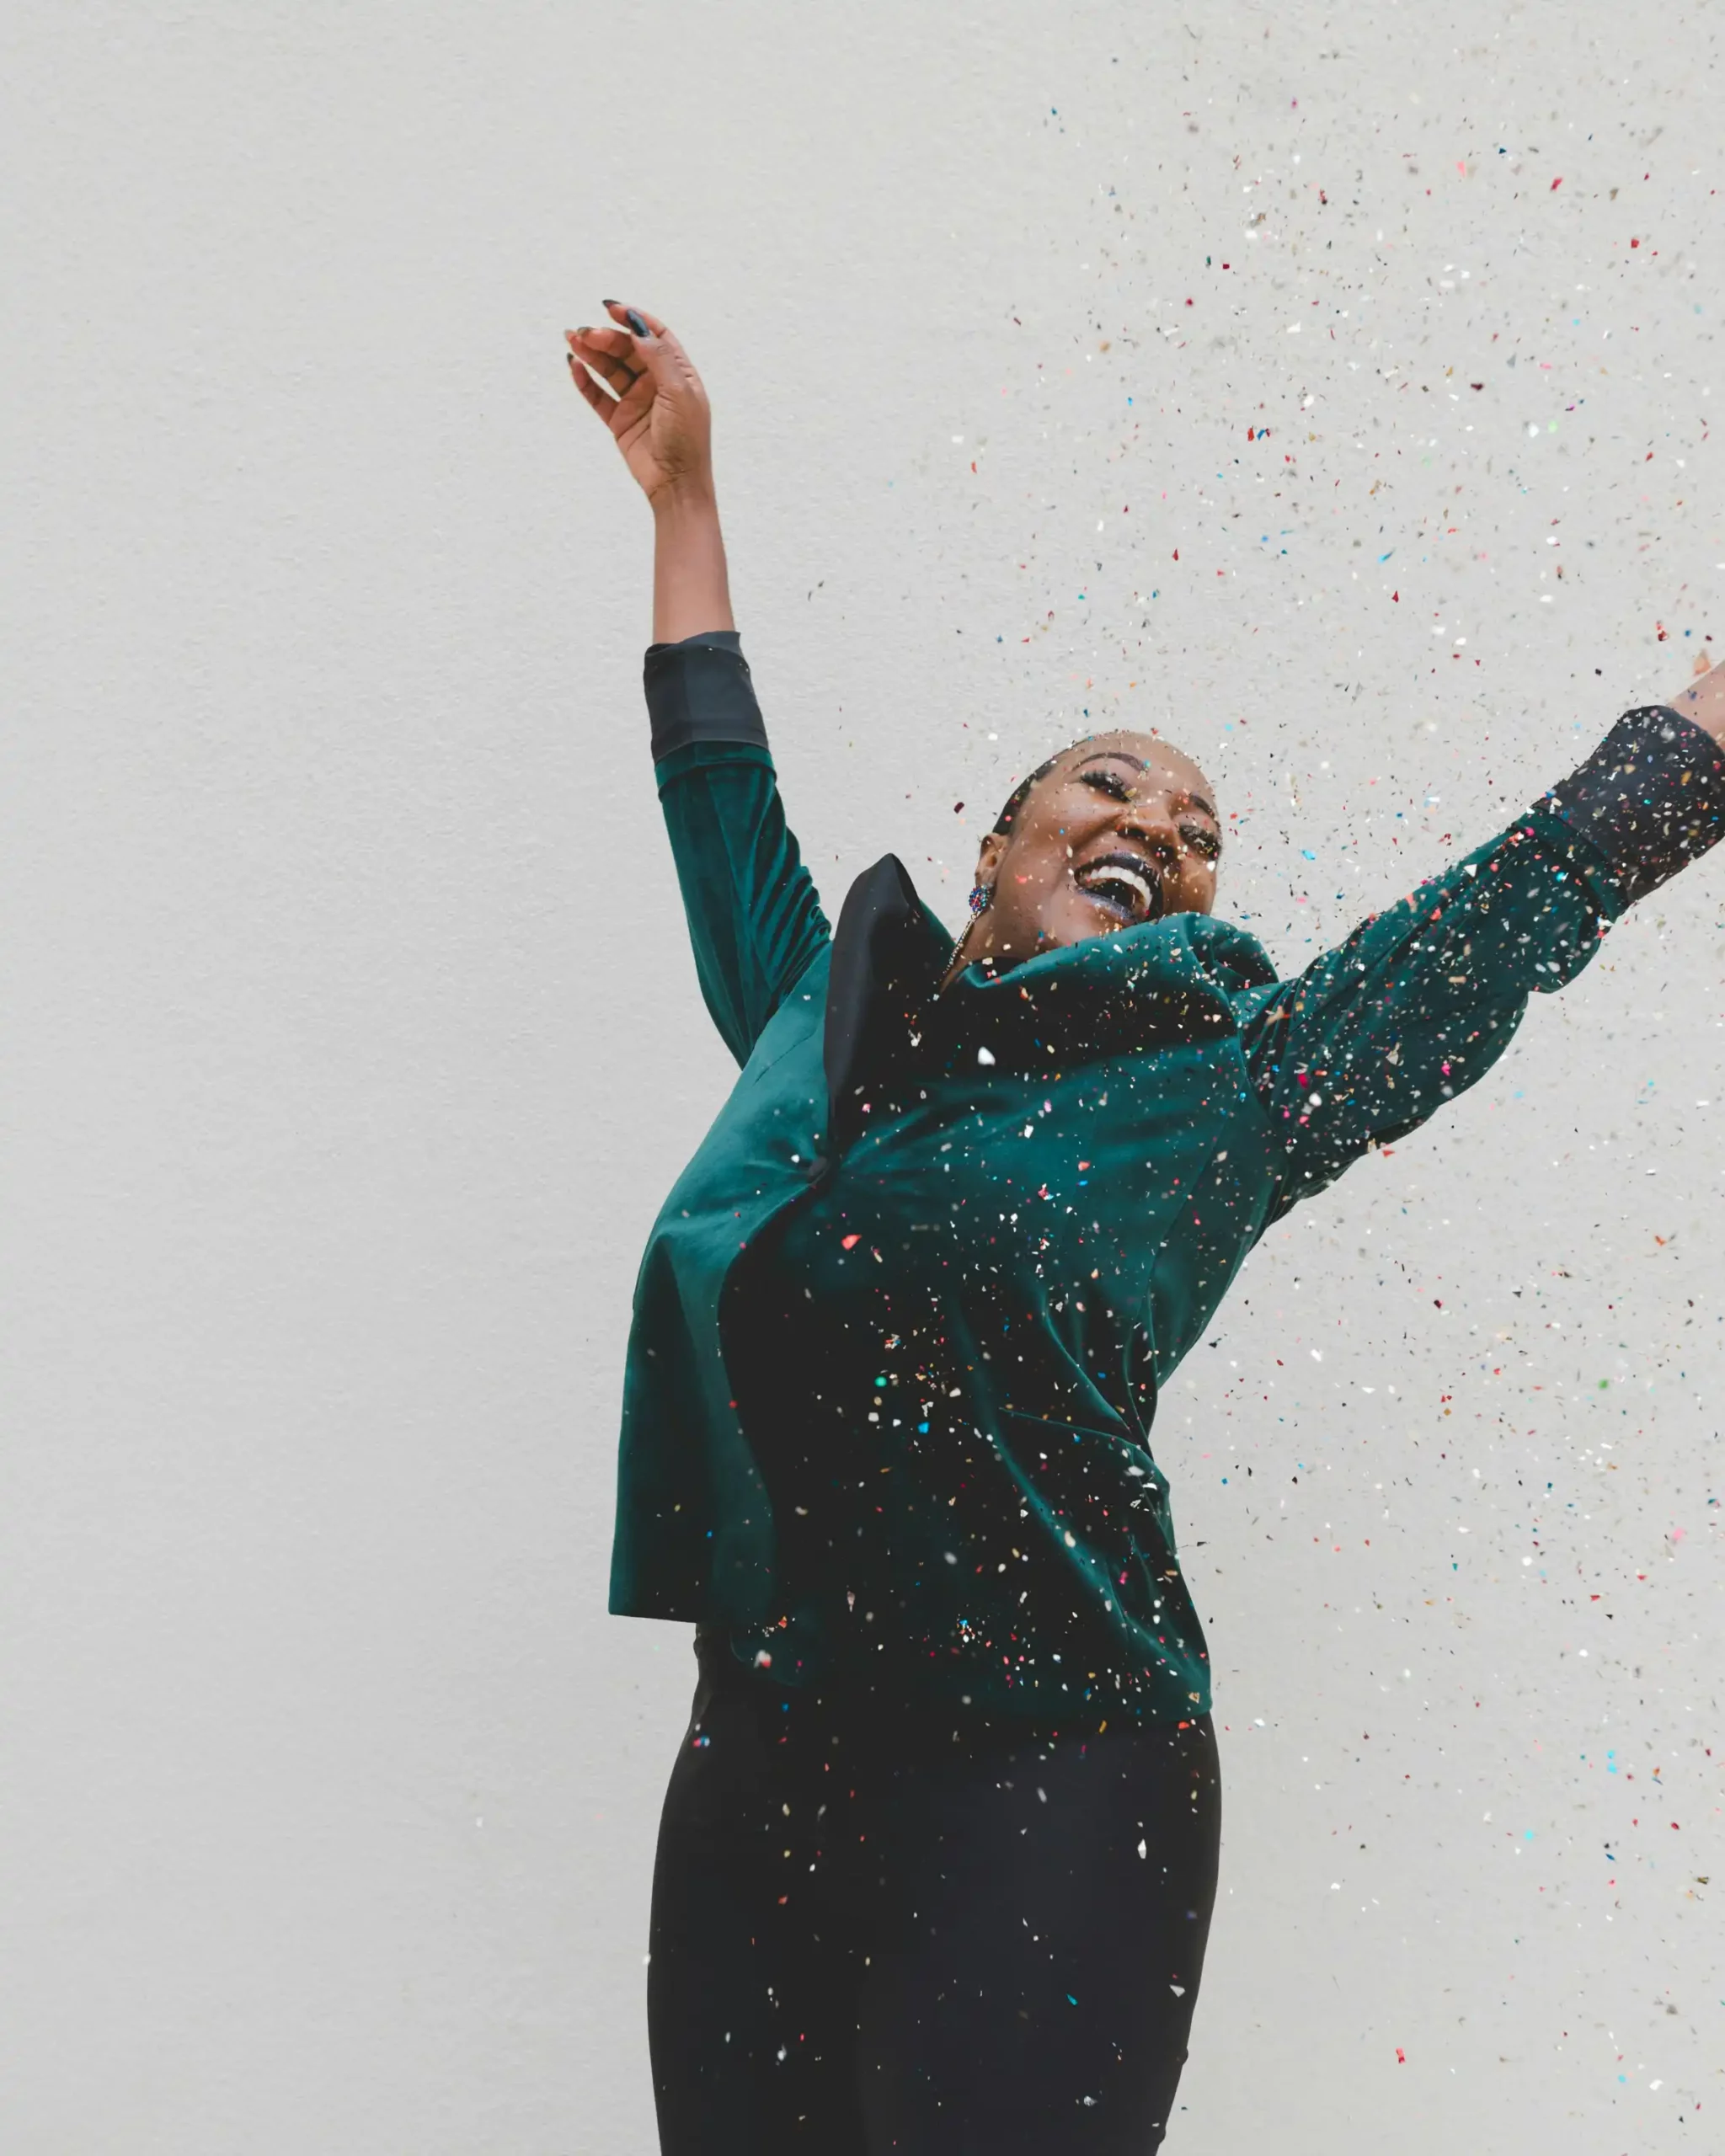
(1109,782)
(1201,840)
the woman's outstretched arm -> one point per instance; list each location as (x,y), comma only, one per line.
(1420,1002)
(755,921)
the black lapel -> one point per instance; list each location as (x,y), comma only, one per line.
(888,955)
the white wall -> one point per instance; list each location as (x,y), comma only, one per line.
(352,1040)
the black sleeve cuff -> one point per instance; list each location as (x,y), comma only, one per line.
(699,689)
(1650,798)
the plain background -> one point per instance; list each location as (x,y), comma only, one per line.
(1329,389)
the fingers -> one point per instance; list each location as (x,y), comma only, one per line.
(600,402)
(615,343)
(622,410)
(610,353)
(623,358)
(659,351)
(619,313)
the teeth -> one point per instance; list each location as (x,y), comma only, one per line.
(1099,878)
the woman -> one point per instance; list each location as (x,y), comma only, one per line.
(936,1860)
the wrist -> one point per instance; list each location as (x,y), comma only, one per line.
(691,495)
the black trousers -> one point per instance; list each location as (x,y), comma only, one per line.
(869,1935)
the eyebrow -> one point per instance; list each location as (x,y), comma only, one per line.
(1125,757)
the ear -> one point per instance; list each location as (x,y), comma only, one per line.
(988,858)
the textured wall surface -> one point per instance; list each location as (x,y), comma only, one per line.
(1329,388)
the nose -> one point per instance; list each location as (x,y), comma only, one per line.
(1151,822)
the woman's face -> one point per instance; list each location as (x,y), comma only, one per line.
(1123,830)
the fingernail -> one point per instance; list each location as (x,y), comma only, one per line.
(635,323)
(610,302)
(576,333)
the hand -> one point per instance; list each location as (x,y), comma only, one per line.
(1704,699)
(653,402)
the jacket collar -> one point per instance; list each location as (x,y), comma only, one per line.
(889,952)
(1163,982)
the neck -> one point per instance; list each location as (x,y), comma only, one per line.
(964,958)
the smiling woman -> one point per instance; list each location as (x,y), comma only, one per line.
(938,1852)
(1117,829)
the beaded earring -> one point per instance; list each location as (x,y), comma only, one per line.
(981,898)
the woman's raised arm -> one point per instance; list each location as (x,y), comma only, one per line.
(755,921)
(1419,1002)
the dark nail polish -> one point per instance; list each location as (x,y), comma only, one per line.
(608,302)
(635,323)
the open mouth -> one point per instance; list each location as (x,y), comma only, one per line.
(1122,886)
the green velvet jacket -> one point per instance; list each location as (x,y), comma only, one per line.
(901,1323)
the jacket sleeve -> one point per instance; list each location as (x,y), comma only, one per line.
(755,921)
(1422,1000)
